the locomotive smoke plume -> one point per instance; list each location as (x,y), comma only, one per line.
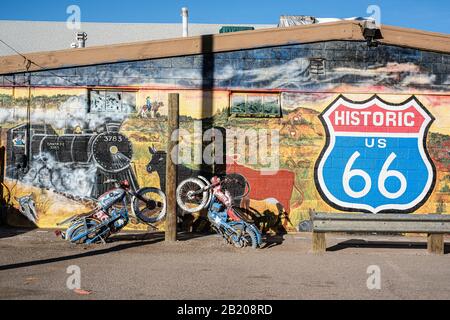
(46,172)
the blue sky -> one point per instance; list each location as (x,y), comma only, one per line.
(432,15)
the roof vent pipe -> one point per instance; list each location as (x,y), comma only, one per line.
(81,40)
(185,15)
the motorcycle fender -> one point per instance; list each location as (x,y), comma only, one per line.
(210,193)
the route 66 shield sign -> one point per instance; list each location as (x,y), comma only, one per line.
(375,159)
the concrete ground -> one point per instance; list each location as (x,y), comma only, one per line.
(34,264)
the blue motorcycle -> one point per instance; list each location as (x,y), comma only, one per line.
(227,219)
(111,214)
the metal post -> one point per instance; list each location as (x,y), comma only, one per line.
(171,167)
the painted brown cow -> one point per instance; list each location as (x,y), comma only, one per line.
(277,185)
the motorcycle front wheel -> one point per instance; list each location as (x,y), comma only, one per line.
(149,205)
(190,196)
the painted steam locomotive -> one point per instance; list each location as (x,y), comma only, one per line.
(77,162)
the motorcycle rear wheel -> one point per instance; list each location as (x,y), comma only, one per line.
(81,228)
(248,238)
(150,206)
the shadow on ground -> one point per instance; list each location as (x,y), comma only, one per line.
(159,236)
(355,243)
(9,232)
(270,241)
(145,239)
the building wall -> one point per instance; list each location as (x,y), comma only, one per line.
(67,127)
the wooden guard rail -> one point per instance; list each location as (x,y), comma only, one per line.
(435,225)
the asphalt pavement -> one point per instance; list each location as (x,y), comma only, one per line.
(37,265)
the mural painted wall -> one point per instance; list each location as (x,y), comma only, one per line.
(387,144)
(367,131)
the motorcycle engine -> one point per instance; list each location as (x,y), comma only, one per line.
(217,213)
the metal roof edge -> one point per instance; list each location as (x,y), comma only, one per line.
(342,30)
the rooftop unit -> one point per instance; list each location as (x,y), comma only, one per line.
(228,29)
(289,21)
